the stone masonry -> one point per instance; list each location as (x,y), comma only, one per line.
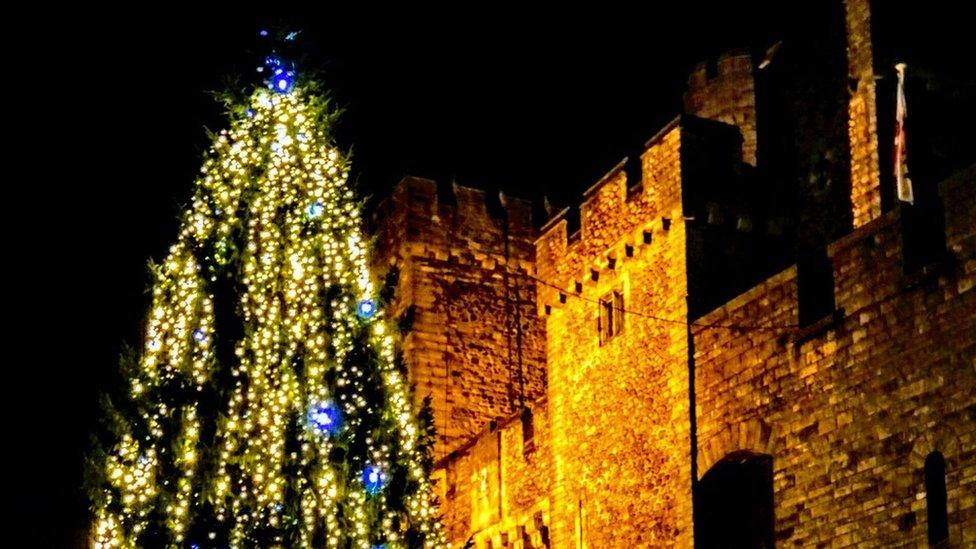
(581,402)
(475,344)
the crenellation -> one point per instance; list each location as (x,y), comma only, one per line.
(892,349)
(727,96)
(661,347)
(475,344)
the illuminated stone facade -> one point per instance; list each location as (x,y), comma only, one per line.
(567,423)
(475,343)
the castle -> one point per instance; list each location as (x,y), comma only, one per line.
(712,357)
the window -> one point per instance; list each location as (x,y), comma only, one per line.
(815,285)
(936,499)
(528,431)
(611,320)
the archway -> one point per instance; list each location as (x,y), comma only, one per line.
(734,503)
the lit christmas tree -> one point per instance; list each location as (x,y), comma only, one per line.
(268,406)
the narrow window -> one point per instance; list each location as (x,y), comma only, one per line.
(618,312)
(611,319)
(528,431)
(605,322)
(936,499)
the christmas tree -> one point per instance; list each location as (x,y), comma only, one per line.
(267,406)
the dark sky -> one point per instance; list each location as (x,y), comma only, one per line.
(530,101)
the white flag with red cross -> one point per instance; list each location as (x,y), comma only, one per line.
(901,151)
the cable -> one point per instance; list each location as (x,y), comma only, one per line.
(743,327)
(771,327)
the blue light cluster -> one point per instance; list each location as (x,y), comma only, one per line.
(374,478)
(282,78)
(366,309)
(324,417)
(199,335)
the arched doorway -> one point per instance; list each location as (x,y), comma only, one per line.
(734,503)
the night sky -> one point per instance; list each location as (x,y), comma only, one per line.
(534,103)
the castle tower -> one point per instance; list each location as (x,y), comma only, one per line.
(617,351)
(475,343)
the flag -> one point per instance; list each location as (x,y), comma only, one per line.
(901,152)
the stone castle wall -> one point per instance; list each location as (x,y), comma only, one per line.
(846,409)
(495,489)
(475,343)
(849,408)
(728,95)
(618,407)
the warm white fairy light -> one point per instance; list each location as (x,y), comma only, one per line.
(269,177)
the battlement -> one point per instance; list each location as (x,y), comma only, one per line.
(474,343)
(728,64)
(610,210)
(679,166)
(875,251)
(724,89)
(860,398)
(762,337)
(463,223)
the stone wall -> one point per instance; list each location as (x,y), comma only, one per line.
(619,409)
(850,407)
(847,408)
(495,489)
(475,343)
(863,121)
(728,95)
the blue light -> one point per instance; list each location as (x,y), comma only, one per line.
(291,36)
(283,82)
(263,32)
(249,113)
(366,309)
(315,209)
(374,478)
(324,417)
(199,335)
(282,79)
